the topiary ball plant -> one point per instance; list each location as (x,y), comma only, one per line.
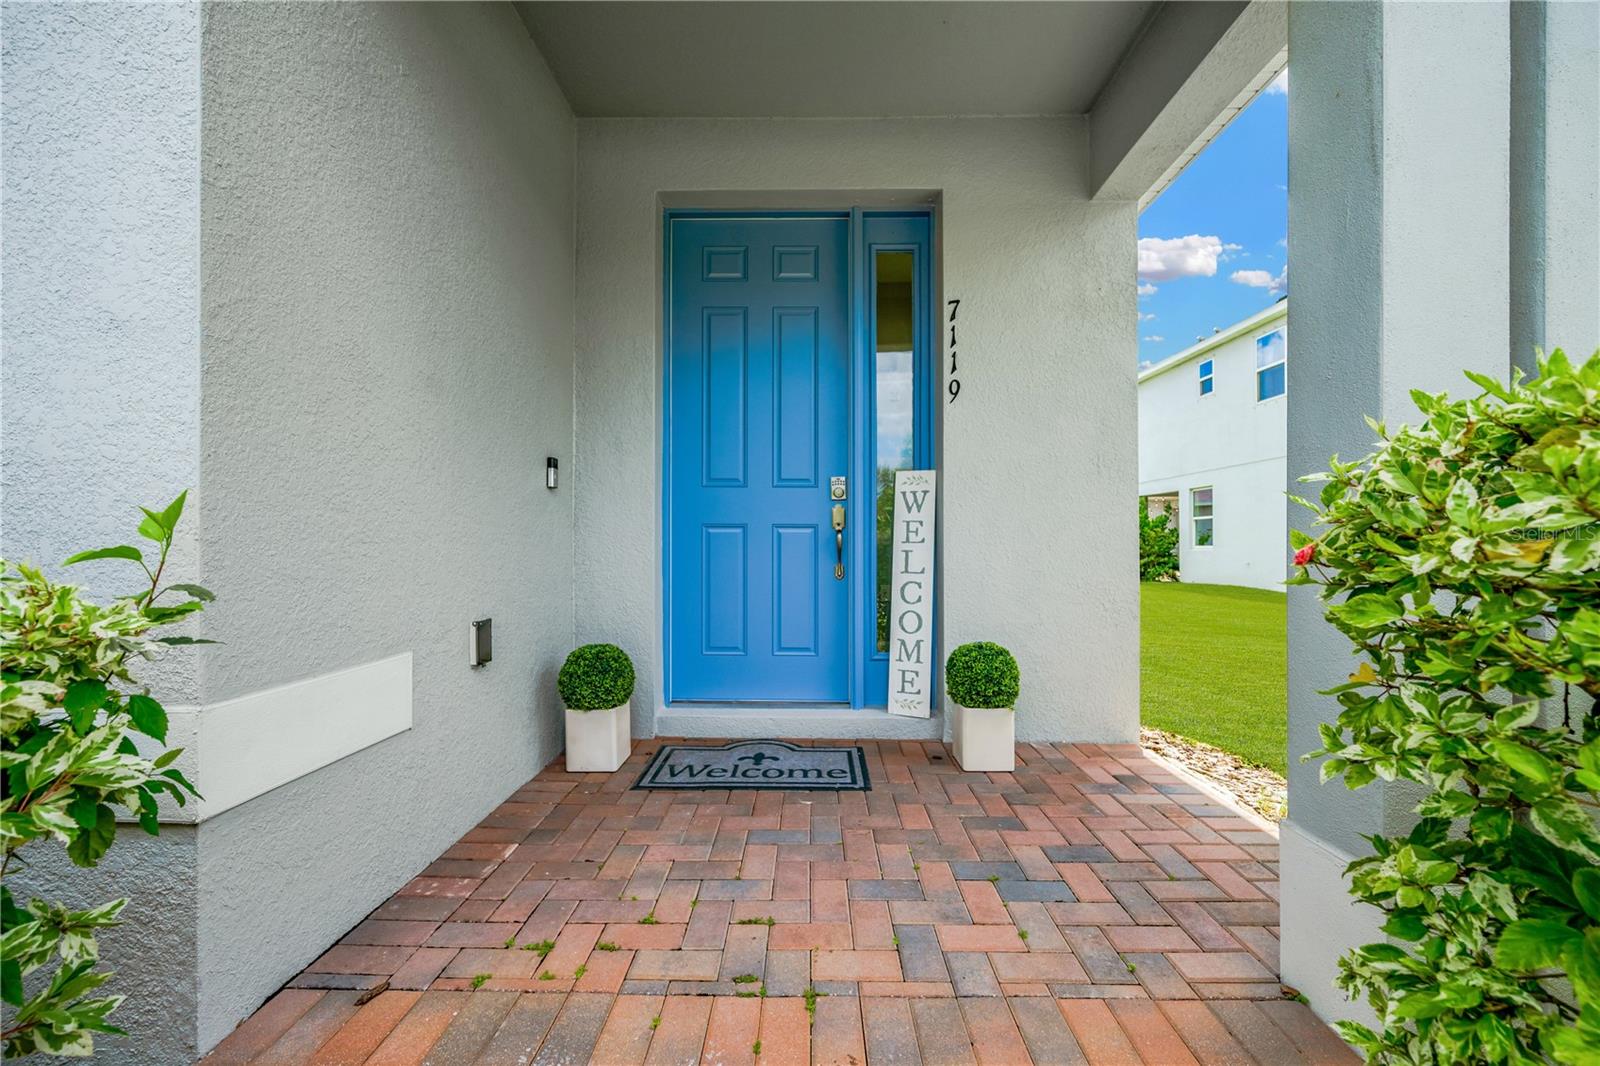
(982,674)
(596,677)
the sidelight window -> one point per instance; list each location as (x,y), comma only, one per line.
(894,402)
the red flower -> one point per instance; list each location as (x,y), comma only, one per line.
(1304,555)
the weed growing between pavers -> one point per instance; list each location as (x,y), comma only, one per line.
(811,995)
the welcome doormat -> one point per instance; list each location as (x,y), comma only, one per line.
(757,764)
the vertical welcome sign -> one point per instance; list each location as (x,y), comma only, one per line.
(911,595)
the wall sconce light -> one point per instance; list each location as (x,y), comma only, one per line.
(480,647)
(550,468)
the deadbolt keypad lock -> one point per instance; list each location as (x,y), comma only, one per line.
(838,540)
(838,488)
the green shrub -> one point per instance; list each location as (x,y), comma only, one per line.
(596,677)
(1462,559)
(1158,545)
(68,702)
(982,675)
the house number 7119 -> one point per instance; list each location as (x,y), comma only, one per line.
(954,387)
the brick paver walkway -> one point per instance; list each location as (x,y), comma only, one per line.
(1088,908)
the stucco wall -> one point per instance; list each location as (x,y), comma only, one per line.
(1038,454)
(1249,532)
(1227,440)
(99,400)
(1571,63)
(1555,179)
(1386,153)
(101,302)
(153,953)
(1335,243)
(387,263)
(1398,130)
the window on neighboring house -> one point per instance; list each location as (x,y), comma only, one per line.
(1207,378)
(1200,515)
(1271,358)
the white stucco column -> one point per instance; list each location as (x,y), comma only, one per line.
(364,364)
(1404,242)
(100,404)
(1555,169)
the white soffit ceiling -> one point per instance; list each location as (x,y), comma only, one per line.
(829,59)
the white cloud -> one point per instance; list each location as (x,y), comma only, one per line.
(1146,317)
(1194,256)
(1280,84)
(1262,279)
(1146,289)
(1155,338)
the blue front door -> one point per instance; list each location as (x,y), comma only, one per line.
(758,421)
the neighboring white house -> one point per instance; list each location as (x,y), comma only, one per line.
(1213,446)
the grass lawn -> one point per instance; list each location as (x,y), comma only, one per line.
(1213,667)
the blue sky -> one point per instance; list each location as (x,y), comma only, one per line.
(1212,246)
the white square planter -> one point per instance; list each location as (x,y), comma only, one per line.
(985,738)
(598,741)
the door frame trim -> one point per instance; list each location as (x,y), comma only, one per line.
(859,435)
(868,665)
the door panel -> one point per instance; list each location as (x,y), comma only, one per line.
(723,444)
(758,415)
(794,590)
(723,560)
(794,401)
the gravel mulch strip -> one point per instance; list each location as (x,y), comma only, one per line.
(1253,786)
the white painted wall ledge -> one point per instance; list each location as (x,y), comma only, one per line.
(245,747)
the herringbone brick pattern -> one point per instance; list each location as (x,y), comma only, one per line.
(1088,908)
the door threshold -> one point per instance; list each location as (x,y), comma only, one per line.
(780,705)
(813,721)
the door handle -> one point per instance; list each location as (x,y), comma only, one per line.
(838,540)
